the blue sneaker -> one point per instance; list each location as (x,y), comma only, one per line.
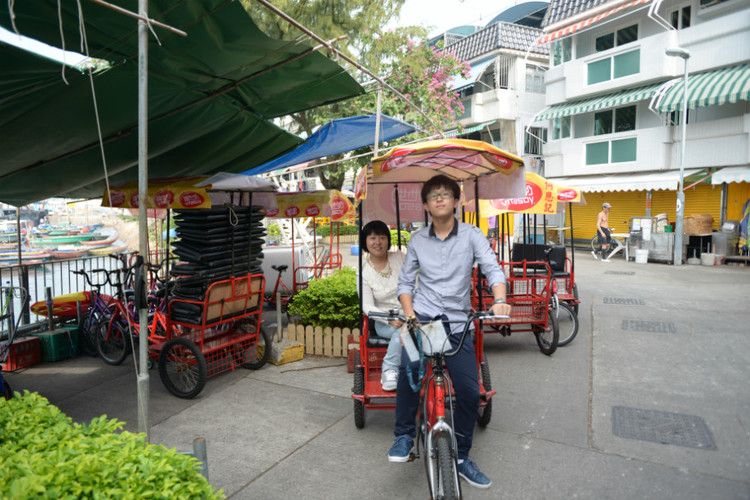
(401,449)
(471,473)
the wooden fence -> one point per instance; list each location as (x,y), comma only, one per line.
(322,341)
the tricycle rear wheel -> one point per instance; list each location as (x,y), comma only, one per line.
(485,412)
(261,349)
(548,338)
(359,389)
(182,368)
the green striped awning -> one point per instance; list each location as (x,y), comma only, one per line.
(468,130)
(601,102)
(711,88)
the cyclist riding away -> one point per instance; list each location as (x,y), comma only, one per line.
(603,232)
(435,282)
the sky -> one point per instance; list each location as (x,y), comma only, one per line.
(445,14)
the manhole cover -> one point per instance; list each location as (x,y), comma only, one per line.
(626,273)
(624,301)
(639,325)
(661,427)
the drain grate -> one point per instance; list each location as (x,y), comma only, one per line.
(661,427)
(639,325)
(625,273)
(626,301)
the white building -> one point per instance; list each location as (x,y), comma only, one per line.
(506,86)
(613,98)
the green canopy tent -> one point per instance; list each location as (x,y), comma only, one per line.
(211,95)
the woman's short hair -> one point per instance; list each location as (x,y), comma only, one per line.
(440,181)
(374,227)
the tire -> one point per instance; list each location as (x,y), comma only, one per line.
(359,388)
(567,321)
(261,351)
(112,340)
(182,368)
(447,469)
(575,294)
(547,339)
(594,243)
(87,331)
(485,414)
(7,391)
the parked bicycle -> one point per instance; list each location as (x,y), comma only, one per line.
(435,429)
(280,286)
(7,295)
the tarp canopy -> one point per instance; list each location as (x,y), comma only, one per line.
(643,181)
(336,137)
(710,88)
(210,96)
(731,174)
(477,68)
(596,103)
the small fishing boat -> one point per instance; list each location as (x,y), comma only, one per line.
(69,254)
(55,241)
(98,243)
(108,250)
(8,257)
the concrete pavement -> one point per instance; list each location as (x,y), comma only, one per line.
(661,352)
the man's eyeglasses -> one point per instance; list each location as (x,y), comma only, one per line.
(443,195)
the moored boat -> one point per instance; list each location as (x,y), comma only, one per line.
(54,241)
(69,254)
(108,250)
(104,242)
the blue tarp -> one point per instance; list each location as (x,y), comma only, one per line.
(336,137)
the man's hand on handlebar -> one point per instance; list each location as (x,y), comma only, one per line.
(501,309)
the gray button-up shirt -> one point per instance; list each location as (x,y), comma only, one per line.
(444,269)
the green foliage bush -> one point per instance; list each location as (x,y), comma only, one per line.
(43,454)
(274,232)
(404,238)
(343,230)
(330,301)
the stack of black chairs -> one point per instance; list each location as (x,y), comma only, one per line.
(214,244)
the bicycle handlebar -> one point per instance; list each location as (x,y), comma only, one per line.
(86,276)
(478,315)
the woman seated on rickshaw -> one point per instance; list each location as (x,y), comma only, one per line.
(379,282)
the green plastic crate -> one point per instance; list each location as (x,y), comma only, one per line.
(59,344)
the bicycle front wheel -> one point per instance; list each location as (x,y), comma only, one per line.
(448,487)
(112,340)
(567,321)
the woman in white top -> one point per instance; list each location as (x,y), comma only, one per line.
(379,282)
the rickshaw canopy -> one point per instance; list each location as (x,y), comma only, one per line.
(330,203)
(396,177)
(542,196)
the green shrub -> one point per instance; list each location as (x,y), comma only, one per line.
(343,230)
(274,232)
(404,238)
(43,454)
(330,301)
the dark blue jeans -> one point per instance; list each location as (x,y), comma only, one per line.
(462,369)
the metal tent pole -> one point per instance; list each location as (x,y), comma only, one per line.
(143,377)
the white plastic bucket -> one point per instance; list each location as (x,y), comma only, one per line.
(708,259)
(641,255)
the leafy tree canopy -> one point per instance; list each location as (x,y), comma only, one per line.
(400,56)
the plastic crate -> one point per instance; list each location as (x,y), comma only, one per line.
(24,352)
(58,344)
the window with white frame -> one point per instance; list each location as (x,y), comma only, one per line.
(562,51)
(616,38)
(534,80)
(535,137)
(561,128)
(612,121)
(680,18)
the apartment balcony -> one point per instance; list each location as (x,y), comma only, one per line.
(714,42)
(715,143)
(501,104)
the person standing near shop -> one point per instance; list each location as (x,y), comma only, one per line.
(603,233)
(435,282)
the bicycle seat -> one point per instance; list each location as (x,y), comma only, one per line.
(374,340)
(280,269)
